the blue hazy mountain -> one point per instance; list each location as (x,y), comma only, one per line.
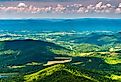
(92,24)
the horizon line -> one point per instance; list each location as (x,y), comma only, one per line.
(57,18)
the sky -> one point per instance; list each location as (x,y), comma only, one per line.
(12,9)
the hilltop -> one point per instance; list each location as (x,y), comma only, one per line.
(65,73)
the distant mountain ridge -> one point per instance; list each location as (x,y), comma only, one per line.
(91,24)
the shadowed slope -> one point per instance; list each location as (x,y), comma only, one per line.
(25,51)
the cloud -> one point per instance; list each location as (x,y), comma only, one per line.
(119,5)
(99,5)
(61,9)
(22,5)
(118,10)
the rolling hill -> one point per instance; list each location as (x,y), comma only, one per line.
(25,52)
(65,73)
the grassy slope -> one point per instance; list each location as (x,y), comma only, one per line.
(57,73)
(65,73)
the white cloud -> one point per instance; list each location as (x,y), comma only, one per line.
(21,5)
(118,10)
(108,5)
(99,5)
(119,5)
